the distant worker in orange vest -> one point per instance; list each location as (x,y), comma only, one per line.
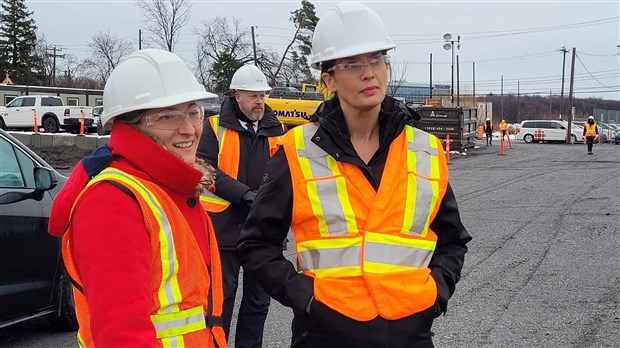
(503,128)
(488,130)
(139,249)
(239,143)
(379,249)
(590,130)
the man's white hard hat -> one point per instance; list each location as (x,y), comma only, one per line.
(347,30)
(149,79)
(249,78)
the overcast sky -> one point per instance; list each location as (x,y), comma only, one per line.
(520,40)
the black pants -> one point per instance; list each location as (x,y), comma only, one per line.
(489,138)
(326,328)
(590,142)
(254,304)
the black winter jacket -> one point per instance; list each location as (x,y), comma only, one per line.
(253,159)
(259,246)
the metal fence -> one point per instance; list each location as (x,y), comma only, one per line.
(606,116)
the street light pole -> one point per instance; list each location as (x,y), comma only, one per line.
(449,45)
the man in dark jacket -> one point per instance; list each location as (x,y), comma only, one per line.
(488,130)
(238,144)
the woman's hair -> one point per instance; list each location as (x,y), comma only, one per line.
(132,118)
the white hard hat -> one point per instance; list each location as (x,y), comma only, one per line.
(591,118)
(249,78)
(488,119)
(347,30)
(149,79)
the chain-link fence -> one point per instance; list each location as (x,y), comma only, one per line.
(606,116)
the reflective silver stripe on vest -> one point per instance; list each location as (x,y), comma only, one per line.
(423,201)
(397,255)
(181,323)
(167,232)
(330,258)
(422,149)
(327,190)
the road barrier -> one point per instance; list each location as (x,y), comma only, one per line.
(36,124)
(82,124)
(447,148)
(501,146)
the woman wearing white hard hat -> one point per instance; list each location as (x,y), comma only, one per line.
(379,241)
(138,246)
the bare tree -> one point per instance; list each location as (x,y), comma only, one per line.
(222,50)
(305,20)
(164,20)
(47,64)
(107,51)
(398,75)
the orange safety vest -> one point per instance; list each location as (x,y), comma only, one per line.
(503,126)
(228,161)
(187,299)
(368,251)
(590,130)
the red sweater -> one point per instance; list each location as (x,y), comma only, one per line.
(112,248)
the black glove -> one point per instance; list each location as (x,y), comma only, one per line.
(248,198)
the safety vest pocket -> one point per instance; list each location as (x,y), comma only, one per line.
(179,323)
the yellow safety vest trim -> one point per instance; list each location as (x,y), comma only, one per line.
(179,323)
(169,293)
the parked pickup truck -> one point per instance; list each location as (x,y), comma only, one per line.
(52,114)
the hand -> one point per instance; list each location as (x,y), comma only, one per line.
(248,198)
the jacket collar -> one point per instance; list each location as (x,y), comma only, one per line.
(158,163)
(334,134)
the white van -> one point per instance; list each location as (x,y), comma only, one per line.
(534,131)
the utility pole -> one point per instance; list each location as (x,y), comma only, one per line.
(473,73)
(518,97)
(570,97)
(139,39)
(564,51)
(501,98)
(254,47)
(54,55)
(430,79)
(458,89)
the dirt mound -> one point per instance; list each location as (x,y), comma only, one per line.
(62,157)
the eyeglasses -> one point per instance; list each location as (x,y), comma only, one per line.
(356,68)
(173,119)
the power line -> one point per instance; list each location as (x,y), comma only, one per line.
(584,66)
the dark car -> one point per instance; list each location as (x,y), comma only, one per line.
(617,138)
(33,282)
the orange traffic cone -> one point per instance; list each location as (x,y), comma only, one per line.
(448,149)
(36,124)
(509,142)
(501,146)
(82,124)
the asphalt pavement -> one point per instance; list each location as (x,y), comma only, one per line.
(543,268)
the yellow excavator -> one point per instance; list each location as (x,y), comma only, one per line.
(294,106)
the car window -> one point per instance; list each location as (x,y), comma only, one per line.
(28,101)
(557,125)
(529,125)
(15,103)
(543,124)
(10,173)
(49,101)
